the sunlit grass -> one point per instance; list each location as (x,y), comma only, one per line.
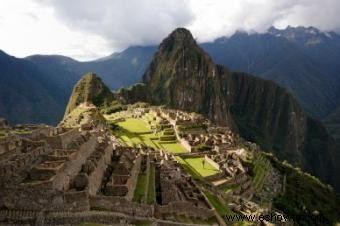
(134,131)
(198,167)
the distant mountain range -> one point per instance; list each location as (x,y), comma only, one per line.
(36,88)
(303,60)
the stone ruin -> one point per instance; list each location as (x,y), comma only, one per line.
(3,123)
(51,174)
(178,194)
(55,173)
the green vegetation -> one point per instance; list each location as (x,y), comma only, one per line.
(202,147)
(167,138)
(168,131)
(133,125)
(79,113)
(151,185)
(142,223)
(197,167)
(261,169)
(173,147)
(192,128)
(21,131)
(3,133)
(221,209)
(134,131)
(140,188)
(304,194)
(113,107)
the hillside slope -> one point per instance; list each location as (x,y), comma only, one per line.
(293,65)
(26,94)
(182,76)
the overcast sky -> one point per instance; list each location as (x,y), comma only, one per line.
(89,29)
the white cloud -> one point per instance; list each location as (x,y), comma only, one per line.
(27,28)
(124,23)
(88,29)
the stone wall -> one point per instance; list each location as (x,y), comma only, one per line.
(37,195)
(73,166)
(76,201)
(24,217)
(14,166)
(63,139)
(186,208)
(29,196)
(3,148)
(211,162)
(96,177)
(121,205)
(38,133)
(9,144)
(184,143)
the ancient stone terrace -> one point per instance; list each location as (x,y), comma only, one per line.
(178,195)
(177,187)
(19,158)
(41,174)
(121,175)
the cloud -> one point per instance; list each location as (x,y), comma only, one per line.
(144,22)
(321,14)
(123,23)
(88,29)
(223,17)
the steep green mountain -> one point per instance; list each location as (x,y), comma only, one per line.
(26,93)
(89,89)
(181,75)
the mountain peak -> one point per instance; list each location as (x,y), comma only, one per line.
(180,37)
(90,76)
(177,50)
(89,90)
(181,33)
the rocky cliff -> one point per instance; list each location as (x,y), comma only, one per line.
(181,75)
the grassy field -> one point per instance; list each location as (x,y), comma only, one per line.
(142,185)
(151,186)
(135,125)
(197,167)
(223,210)
(140,188)
(220,207)
(173,147)
(261,169)
(135,131)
